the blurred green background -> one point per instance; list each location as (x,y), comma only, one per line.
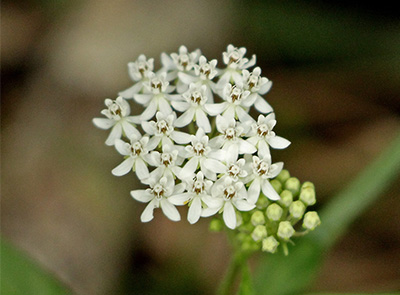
(335,66)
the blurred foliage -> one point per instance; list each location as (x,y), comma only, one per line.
(286,275)
(20,275)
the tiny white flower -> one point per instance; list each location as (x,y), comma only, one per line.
(231,134)
(258,86)
(237,103)
(262,136)
(158,196)
(229,195)
(118,118)
(198,192)
(263,170)
(138,71)
(236,62)
(163,131)
(200,153)
(168,162)
(193,108)
(136,153)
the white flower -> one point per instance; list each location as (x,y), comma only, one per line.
(262,136)
(118,118)
(235,61)
(257,86)
(183,61)
(168,162)
(263,170)
(198,191)
(231,135)
(163,131)
(136,152)
(229,195)
(199,153)
(193,108)
(138,71)
(237,103)
(158,196)
(155,99)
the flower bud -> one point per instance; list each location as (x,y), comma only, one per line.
(285,230)
(286,198)
(262,202)
(277,185)
(311,220)
(216,225)
(293,185)
(249,245)
(283,176)
(257,218)
(308,184)
(307,195)
(270,244)
(274,212)
(297,209)
(259,233)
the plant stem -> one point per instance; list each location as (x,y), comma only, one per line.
(234,267)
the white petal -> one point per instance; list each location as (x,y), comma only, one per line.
(150,111)
(153,142)
(103,123)
(180,137)
(208,173)
(229,113)
(275,169)
(186,78)
(194,211)
(202,120)
(265,88)
(262,105)
(232,154)
(185,118)
(207,212)
(179,199)
(115,134)
(278,142)
(124,167)
(245,147)
(215,108)
(147,214)
(243,115)
(263,149)
(180,106)
(189,169)
(142,98)
(130,130)
(142,195)
(122,147)
(169,210)
(229,215)
(167,61)
(164,106)
(212,202)
(214,165)
(237,78)
(141,169)
(243,205)
(254,190)
(219,155)
(269,191)
(128,93)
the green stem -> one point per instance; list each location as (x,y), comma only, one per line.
(246,284)
(234,268)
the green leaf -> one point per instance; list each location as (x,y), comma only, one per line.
(20,275)
(285,275)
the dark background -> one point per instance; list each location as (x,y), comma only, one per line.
(335,66)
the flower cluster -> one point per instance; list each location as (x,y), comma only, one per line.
(195,143)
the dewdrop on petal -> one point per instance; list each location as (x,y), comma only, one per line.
(311,220)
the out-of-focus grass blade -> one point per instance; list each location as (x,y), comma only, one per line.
(280,275)
(19,275)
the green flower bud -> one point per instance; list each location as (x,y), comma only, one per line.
(274,212)
(297,209)
(286,198)
(307,195)
(257,218)
(259,233)
(277,185)
(216,225)
(293,185)
(285,230)
(311,220)
(249,245)
(262,202)
(283,176)
(308,184)
(270,244)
